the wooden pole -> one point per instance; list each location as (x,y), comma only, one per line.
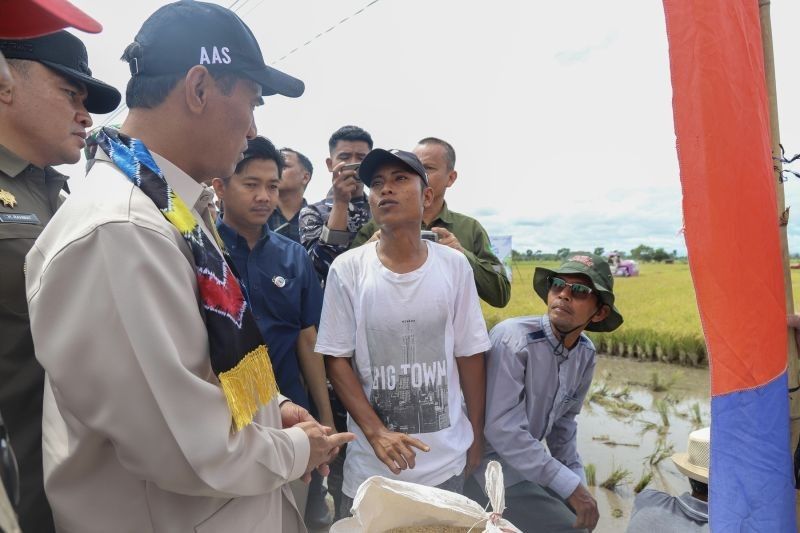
(792,362)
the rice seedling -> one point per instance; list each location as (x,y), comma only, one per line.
(696,416)
(662,451)
(615,410)
(622,394)
(617,477)
(648,426)
(605,439)
(591,474)
(615,402)
(662,408)
(629,406)
(598,393)
(656,384)
(672,399)
(613,443)
(645,480)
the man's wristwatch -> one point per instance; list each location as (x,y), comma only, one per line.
(335,236)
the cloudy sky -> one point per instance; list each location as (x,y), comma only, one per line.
(560,112)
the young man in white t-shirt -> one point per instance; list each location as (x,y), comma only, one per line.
(403,336)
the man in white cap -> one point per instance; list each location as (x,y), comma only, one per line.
(688,513)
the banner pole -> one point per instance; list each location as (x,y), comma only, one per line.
(792,361)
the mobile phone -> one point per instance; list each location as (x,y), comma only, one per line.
(429,235)
(351,166)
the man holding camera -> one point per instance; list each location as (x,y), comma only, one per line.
(403,336)
(538,372)
(452,229)
(327,227)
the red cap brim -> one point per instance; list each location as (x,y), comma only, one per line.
(32,18)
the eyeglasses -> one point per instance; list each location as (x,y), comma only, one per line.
(579,290)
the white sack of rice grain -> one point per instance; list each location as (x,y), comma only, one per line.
(385,505)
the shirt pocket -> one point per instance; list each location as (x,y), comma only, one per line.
(282,297)
(567,403)
(16,230)
(16,240)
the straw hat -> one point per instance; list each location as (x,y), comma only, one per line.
(694,462)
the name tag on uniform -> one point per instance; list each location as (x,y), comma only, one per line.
(19,218)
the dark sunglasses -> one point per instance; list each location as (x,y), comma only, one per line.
(579,290)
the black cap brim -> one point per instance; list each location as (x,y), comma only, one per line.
(102,98)
(378,157)
(273,81)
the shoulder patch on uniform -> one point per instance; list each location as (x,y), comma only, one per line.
(586,341)
(536,335)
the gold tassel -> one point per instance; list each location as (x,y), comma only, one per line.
(249,385)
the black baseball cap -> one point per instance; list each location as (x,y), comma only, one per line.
(187,33)
(66,54)
(379,156)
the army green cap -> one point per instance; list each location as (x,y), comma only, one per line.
(598,271)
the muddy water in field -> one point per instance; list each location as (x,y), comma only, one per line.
(613,434)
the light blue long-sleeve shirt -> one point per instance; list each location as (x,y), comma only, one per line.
(532,398)
(655,511)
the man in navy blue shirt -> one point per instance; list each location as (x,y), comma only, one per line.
(282,287)
(279,278)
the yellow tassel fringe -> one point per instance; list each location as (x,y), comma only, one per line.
(248,386)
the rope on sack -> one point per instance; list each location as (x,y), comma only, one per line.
(496,490)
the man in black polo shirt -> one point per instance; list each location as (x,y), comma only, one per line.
(44,114)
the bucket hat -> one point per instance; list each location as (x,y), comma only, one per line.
(598,271)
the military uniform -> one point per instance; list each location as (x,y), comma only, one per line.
(29,196)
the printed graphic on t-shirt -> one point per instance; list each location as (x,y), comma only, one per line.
(409,374)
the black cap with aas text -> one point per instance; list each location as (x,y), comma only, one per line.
(65,54)
(187,33)
(378,157)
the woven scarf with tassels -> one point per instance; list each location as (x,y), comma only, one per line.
(238,354)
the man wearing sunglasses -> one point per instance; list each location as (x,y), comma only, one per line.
(538,372)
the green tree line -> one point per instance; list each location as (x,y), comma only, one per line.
(640,253)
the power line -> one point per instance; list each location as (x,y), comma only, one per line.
(236,6)
(320,34)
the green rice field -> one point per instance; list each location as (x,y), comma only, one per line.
(661,318)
